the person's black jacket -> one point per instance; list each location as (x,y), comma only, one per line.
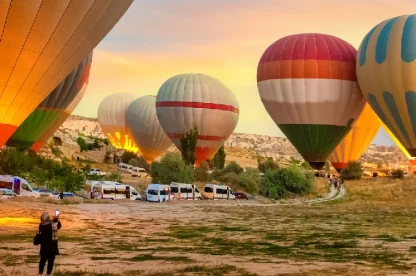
(48,247)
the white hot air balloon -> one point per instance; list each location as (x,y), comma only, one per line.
(112,116)
(195,100)
(146,129)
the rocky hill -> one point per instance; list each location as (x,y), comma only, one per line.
(239,146)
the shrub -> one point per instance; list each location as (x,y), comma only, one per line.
(171,169)
(232,167)
(113,177)
(397,174)
(279,183)
(268,164)
(353,171)
(250,180)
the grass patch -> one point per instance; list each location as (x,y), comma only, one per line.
(101,258)
(149,257)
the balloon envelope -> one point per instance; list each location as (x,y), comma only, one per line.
(112,116)
(357,140)
(144,125)
(52,108)
(41,42)
(308,85)
(196,100)
(386,70)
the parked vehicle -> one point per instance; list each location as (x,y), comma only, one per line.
(217,191)
(6,193)
(124,168)
(88,188)
(67,195)
(140,172)
(46,192)
(158,193)
(97,171)
(239,195)
(18,185)
(115,191)
(184,191)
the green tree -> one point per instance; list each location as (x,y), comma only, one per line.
(233,167)
(171,168)
(250,180)
(188,145)
(353,171)
(218,162)
(82,144)
(127,156)
(266,164)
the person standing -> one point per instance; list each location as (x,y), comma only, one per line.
(61,195)
(48,230)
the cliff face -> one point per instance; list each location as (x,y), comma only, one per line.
(239,145)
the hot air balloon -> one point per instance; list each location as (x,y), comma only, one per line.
(112,116)
(52,108)
(357,140)
(386,70)
(41,42)
(146,129)
(196,100)
(307,83)
(62,118)
(412,160)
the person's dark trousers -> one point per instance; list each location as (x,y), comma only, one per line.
(42,263)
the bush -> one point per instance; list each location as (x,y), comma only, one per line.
(397,174)
(113,177)
(280,183)
(201,173)
(268,164)
(171,169)
(353,171)
(232,167)
(250,180)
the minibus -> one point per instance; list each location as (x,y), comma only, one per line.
(184,191)
(217,191)
(115,191)
(18,185)
(158,193)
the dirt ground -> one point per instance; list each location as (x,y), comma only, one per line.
(370,231)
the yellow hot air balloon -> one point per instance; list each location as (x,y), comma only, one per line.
(357,140)
(41,43)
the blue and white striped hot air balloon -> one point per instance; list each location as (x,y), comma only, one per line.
(386,70)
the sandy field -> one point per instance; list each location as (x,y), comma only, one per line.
(369,231)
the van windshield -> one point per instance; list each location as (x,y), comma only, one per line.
(208,190)
(152,192)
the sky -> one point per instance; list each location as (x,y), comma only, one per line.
(225,39)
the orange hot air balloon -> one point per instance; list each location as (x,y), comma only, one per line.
(397,142)
(41,43)
(357,140)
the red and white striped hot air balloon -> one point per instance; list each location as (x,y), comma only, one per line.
(196,100)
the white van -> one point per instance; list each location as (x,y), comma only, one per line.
(158,193)
(89,186)
(140,172)
(115,191)
(184,191)
(18,185)
(217,191)
(124,168)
